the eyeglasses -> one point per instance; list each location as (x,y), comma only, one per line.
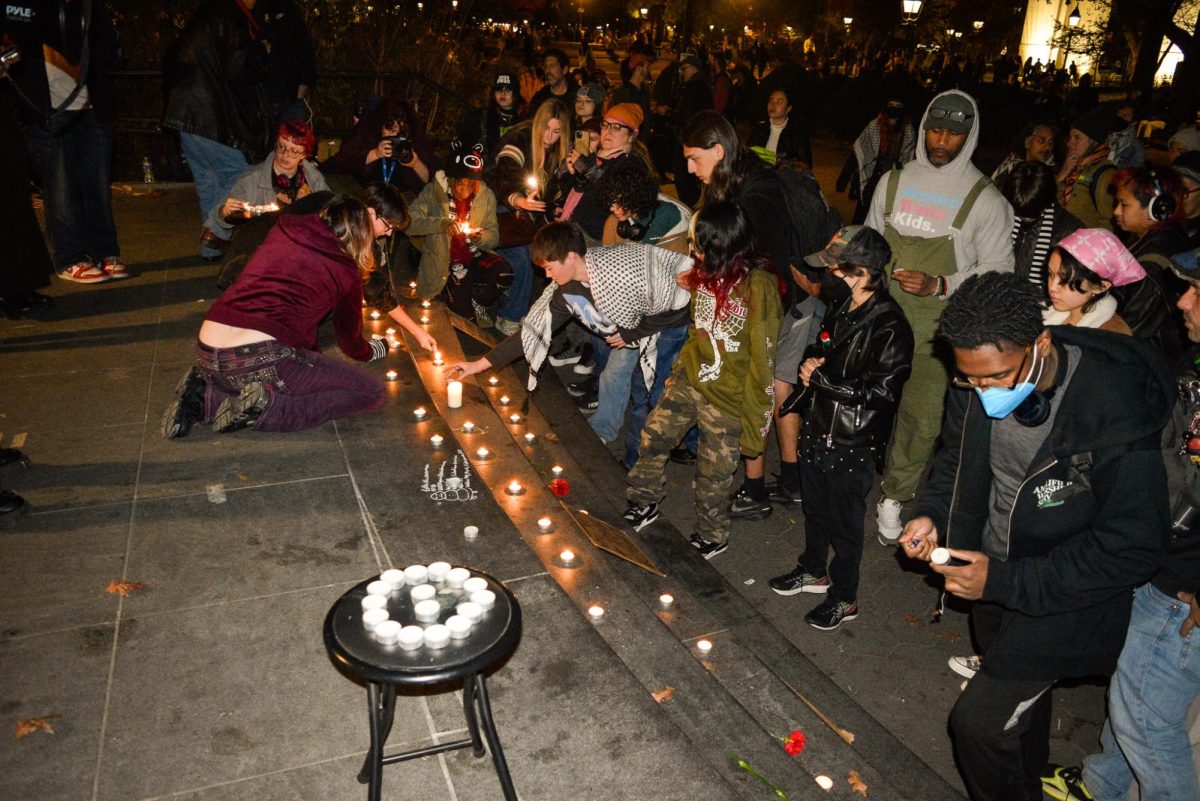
(961,382)
(613,127)
(388,227)
(1189,192)
(946,114)
(284,150)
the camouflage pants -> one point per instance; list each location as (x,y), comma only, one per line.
(679,409)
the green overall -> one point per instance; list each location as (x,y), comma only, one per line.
(919,417)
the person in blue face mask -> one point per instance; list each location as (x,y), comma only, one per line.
(1050,494)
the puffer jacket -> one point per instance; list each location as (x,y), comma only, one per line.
(852,398)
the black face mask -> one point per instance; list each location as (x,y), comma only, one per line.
(834,291)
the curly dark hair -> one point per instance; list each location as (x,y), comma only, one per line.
(628,183)
(999,309)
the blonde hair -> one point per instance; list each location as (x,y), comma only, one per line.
(550,109)
(348,219)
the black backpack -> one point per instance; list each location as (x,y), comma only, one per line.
(813,221)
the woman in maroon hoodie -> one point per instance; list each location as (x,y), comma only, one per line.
(257,363)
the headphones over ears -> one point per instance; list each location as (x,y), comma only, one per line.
(634,230)
(1162,205)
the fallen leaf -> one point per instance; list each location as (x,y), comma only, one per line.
(949,636)
(551,437)
(913,621)
(663,695)
(857,784)
(123,588)
(243,477)
(28,726)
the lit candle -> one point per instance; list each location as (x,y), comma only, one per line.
(468,427)
(454,394)
(471,532)
(419,412)
(395,343)
(514,418)
(514,488)
(437,359)
(436,439)
(412,284)
(375,314)
(704,646)
(464,228)
(425,319)
(666,600)
(391,375)
(504,400)
(482,454)
(493,381)
(595,612)
(529,437)
(567,558)
(390,332)
(531,185)
(545,523)
(424,304)
(556,470)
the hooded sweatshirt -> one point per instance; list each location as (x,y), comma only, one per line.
(929,197)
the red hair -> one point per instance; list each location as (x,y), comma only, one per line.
(1144,183)
(299,132)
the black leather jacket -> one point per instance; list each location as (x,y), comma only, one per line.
(852,398)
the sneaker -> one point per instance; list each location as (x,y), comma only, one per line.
(799,581)
(567,354)
(887,521)
(588,403)
(829,614)
(966,666)
(586,364)
(682,454)
(482,318)
(84,272)
(640,516)
(212,247)
(507,327)
(746,505)
(783,494)
(708,549)
(242,411)
(1064,784)
(114,268)
(187,408)
(588,386)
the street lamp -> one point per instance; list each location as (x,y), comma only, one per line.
(1072,24)
(910,10)
(977,25)
(847,21)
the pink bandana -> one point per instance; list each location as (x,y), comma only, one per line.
(1100,251)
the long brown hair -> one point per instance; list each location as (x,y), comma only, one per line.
(349,221)
(707,129)
(552,108)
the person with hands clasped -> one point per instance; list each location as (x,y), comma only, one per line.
(1050,490)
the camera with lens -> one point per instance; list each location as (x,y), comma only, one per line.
(402,149)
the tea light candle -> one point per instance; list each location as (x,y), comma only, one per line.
(370,602)
(531,184)
(373,617)
(416,574)
(505,400)
(458,626)
(457,576)
(704,646)
(940,556)
(425,319)
(454,394)
(394,577)
(544,524)
(391,375)
(411,637)
(425,304)
(468,427)
(485,598)
(395,343)
(567,558)
(514,418)
(390,332)
(493,381)
(475,584)
(514,488)
(438,571)
(437,359)
(464,228)
(666,600)
(482,454)
(423,592)
(471,611)
(824,782)
(379,587)
(556,470)
(529,437)
(387,632)
(471,532)
(412,284)
(427,611)
(595,612)
(420,412)
(436,439)
(437,635)
(374,314)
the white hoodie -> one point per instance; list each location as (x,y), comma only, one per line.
(928,198)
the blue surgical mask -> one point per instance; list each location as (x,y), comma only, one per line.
(999,403)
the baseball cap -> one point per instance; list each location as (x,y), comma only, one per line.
(591,91)
(1187,265)
(853,244)
(690,59)
(505,80)
(953,111)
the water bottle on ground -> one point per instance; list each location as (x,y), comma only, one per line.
(147,170)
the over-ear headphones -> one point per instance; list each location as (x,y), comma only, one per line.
(1035,409)
(1162,205)
(634,230)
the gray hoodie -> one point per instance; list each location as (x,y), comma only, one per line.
(929,197)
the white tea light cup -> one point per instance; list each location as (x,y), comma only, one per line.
(457,576)
(373,617)
(458,626)
(374,602)
(423,592)
(394,577)
(438,571)
(412,637)
(471,611)
(416,574)
(437,635)
(387,632)
(475,584)
(471,532)
(379,587)
(427,611)
(485,598)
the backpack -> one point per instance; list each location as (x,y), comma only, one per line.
(813,222)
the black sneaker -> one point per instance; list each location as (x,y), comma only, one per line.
(586,363)
(588,386)
(708,549)
(588,403)
(640,516)
(799,581)
(746,505)
(782,494)
(567,354)
(830,614)
(187,408)
(234,414)
(682,454)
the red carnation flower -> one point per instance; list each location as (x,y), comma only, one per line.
(794,743)
(560,487)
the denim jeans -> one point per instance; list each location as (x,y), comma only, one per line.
(74,164)
(1145,737)
(214,169)
(306,388)
(515,302)
(670,342)
(616,367)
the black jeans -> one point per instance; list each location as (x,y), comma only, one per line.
(834,504)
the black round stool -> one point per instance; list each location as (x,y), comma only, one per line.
(384,667)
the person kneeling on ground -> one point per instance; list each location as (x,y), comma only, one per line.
(851,391)
(722,380)
(257,364)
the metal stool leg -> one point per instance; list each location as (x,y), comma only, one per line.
(381,710)
(469,712)
(493,739)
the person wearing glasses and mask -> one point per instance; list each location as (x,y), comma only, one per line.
(945,222)
(1051,497)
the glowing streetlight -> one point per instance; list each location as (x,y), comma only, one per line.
(910,10)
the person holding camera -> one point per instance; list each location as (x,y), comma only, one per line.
(387,146)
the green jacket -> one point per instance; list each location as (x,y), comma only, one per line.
(427,229)
(1091,200)
(732,362)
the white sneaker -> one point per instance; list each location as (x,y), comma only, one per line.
(887,521)
(966,666)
